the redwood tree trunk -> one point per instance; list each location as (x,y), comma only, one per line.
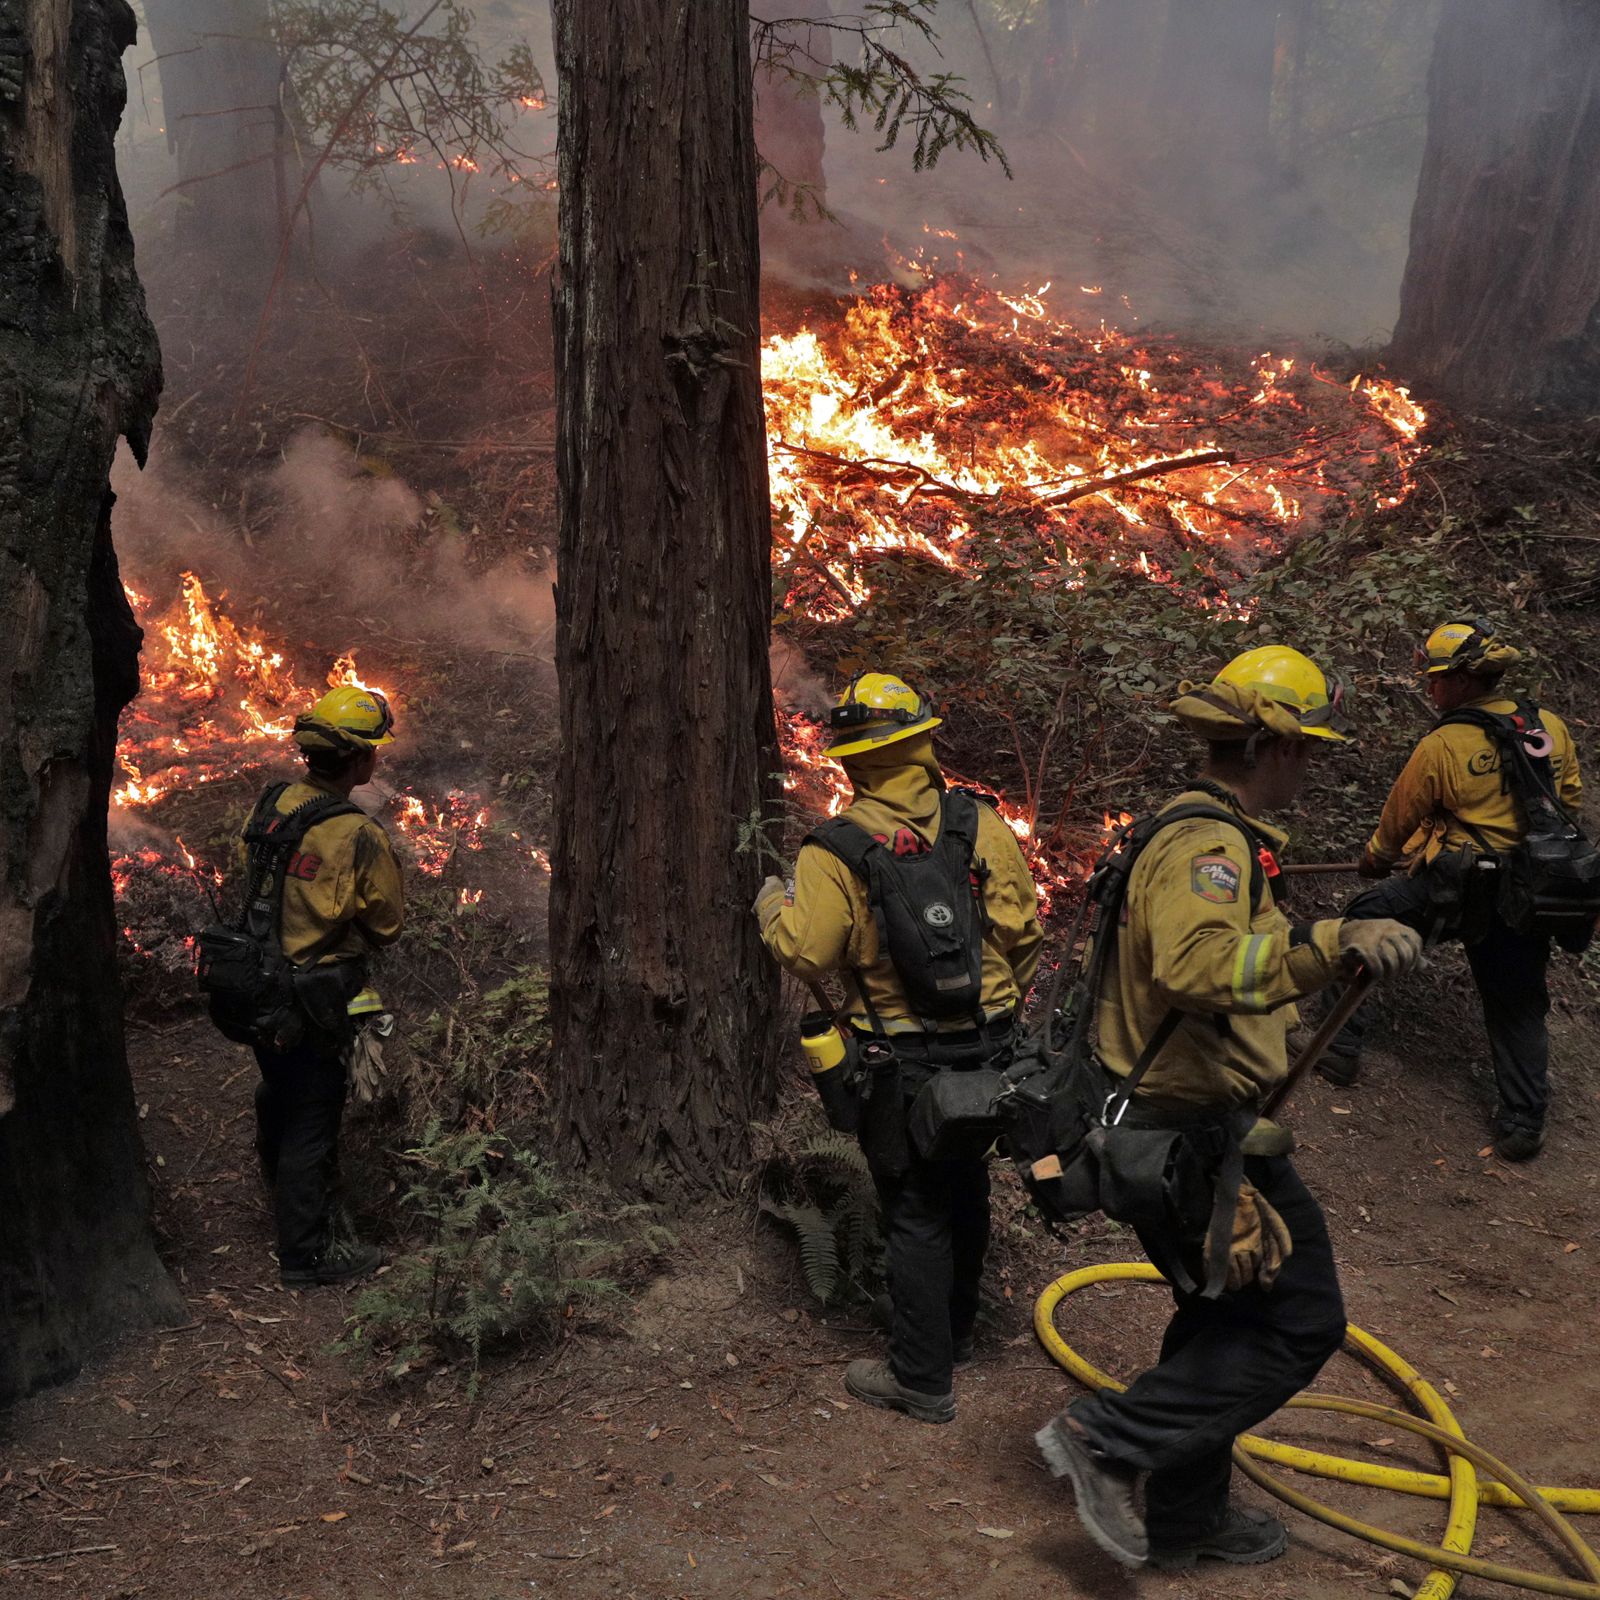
(1501,296)
(224,98)
(662,1001)
(78,367)
(1113,111)
(1214,106)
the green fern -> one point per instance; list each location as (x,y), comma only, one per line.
(825,1196)
(819,1249)
(840,1148)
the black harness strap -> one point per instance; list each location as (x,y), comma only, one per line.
(1526,778)
(271,838)
(954,848)
(1229,1177)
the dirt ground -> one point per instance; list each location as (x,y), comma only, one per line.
(699,1443)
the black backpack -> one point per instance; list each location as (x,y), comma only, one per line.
(928,908)
(1550,882)
(1055,1092)
(256,995)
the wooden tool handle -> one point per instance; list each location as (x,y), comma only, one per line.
(1349,1003)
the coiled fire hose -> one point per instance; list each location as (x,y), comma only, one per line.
(1463,1488)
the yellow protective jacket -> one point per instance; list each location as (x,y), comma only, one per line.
(1191,940)
(343,896)
(826,923)
(1452,779)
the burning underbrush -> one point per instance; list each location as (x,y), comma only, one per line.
(1040,519)
(1045,522)
(211,726)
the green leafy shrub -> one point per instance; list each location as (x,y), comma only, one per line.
(507,1253)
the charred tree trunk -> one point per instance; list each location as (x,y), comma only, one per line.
(662,1001)
(1501,296)
(1118,53)
(790,136)
(78,367)
(1214,107)
(226,104)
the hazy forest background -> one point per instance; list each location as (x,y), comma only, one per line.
(1095,339)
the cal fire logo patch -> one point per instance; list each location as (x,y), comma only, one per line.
(1214,878)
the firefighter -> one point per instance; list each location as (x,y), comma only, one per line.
(1451,808)
(936,1212)
(342,899)
(1206,961)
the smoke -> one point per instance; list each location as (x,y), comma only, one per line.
(1300,233)
(795,687)
(335,528)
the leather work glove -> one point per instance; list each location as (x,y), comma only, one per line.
(769,900)
(1387,949)
(1261,1243)
(363,1060)
(1373,866)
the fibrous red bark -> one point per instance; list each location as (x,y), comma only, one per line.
(662,1001)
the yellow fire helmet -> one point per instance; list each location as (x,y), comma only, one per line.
(346,718)
(1467,644)
(1288,682)
(876,709)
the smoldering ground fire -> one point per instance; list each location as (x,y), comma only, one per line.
(909,422)
(902,422)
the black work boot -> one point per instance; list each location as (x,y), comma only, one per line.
(341,1262)
(874,1383)
(965,1350)
(1104,1489)
(1517,1141)
(1339,1070)
(1245,1538)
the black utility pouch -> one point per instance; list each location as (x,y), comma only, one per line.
(883,1113)
(953,1117)
(1159,1179)
(228,962)
(325,992)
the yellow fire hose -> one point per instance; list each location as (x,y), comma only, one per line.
(1463,1488)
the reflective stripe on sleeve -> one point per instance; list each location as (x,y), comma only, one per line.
(1248,966)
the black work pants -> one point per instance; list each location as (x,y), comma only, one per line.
(299,1103)
(1510,972)
(935,1213)
(1226,1365)
(936,1220)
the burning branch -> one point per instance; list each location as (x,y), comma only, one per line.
(1155,469)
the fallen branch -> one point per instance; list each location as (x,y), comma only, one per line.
(1156,469)
(59,1555)
(881,470)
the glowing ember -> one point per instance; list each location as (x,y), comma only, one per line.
(928,415)
(216,705)
(930,410)
(437,832)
